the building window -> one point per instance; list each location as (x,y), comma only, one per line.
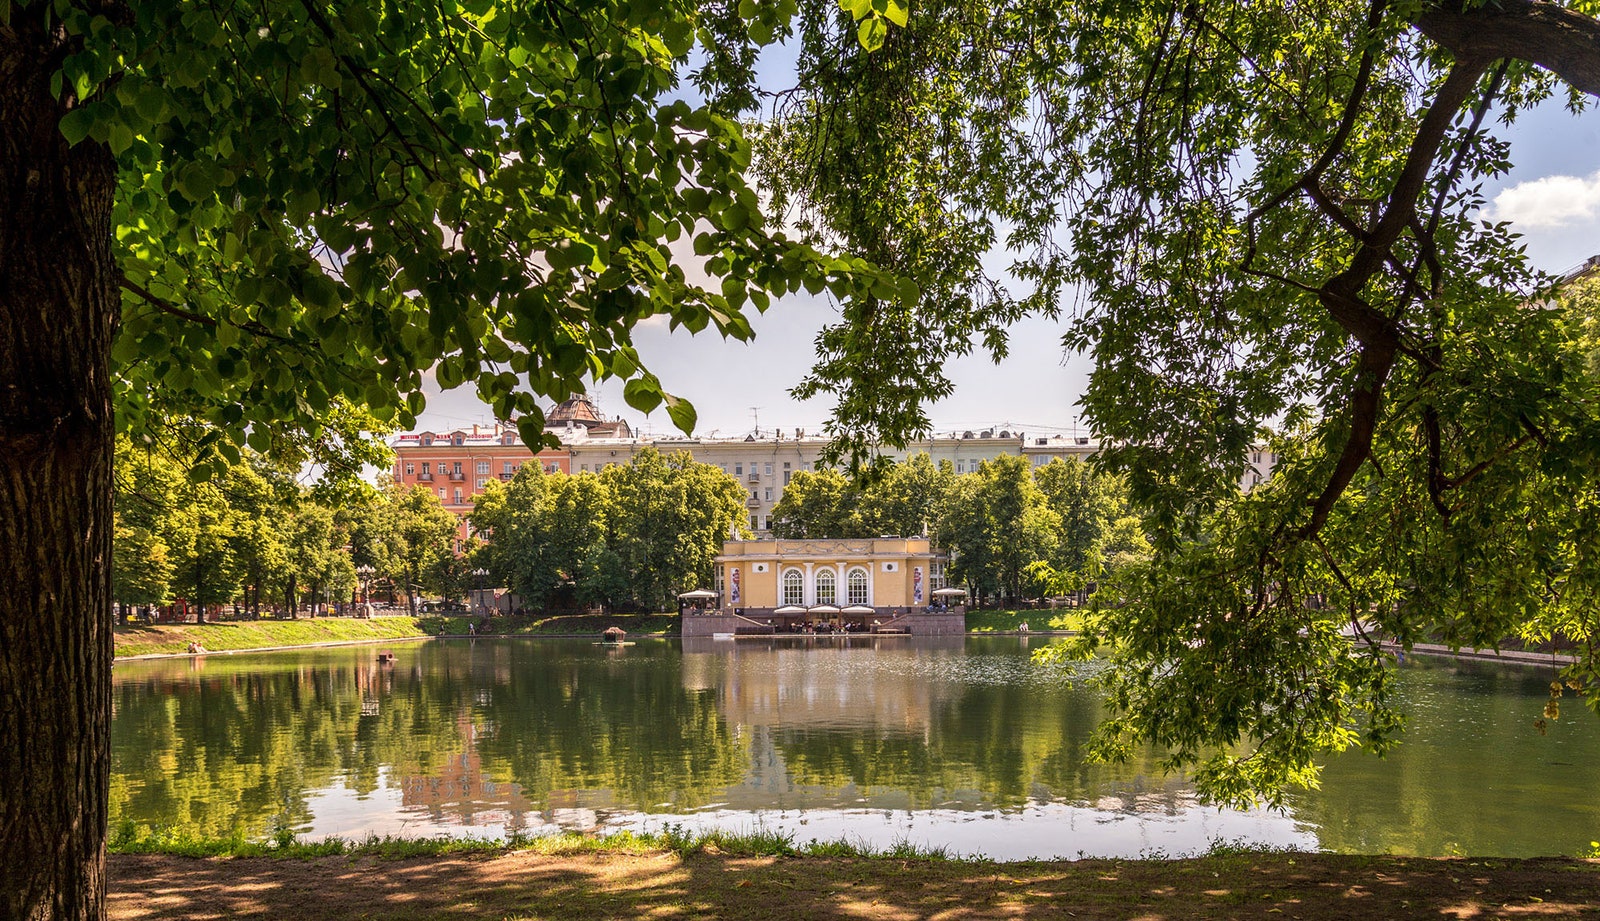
(738,469)
(769,470)
(585,468)
(411,469)
(935,576)
(857,582)
(483,466)
(794,587)
(479,482)
(507,467)
(769,493)
(786,465)
(787,475)
(456,467)
(753,523)
(441,494)
(458,495)
(424,466)
(827,587)
(427,441)
(552,467)
(753,497)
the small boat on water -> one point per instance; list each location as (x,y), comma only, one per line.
(614,636)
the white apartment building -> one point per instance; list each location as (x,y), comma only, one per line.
(763,461)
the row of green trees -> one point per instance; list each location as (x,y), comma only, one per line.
(1014,530)
(253,535)
(628,538)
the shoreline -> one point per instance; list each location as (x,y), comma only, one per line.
(1508,657)
(237,652)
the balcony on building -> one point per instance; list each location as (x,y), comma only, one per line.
(425,478)
(458,477)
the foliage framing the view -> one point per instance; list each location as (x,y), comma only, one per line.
(322,204)
(1272,215)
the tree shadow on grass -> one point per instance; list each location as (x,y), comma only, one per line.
(526,885)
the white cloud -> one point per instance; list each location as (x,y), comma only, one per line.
(1550,202)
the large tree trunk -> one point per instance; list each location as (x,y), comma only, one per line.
(58,310)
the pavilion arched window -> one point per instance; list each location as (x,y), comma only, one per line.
(794,587)
(827,587)
(856,580)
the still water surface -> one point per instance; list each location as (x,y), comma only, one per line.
(956,742)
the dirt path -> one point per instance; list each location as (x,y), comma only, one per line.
(525,886)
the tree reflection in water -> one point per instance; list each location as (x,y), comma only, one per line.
(497,736)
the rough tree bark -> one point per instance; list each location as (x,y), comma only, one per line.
(58,309)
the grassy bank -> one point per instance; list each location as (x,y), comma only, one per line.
(233,636)
(132,839)
(1012,621)
(556,624)
(765,876)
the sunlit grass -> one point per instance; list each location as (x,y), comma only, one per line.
(552,624)
(130,838)
(238,636)
(1011,621)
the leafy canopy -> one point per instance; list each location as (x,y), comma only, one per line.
(1270,215)
(317,205)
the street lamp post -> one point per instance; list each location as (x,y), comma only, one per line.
(365,573)
(478,576)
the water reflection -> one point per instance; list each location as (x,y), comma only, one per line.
(949,741)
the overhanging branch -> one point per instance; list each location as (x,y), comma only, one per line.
(1562,41)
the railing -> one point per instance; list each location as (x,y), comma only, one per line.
(425,477)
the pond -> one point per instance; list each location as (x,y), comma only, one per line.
(961,743)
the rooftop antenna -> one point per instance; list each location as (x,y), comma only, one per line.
(755,419)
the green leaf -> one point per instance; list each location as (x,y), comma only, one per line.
(897,13)
(872,33)
(643,394)
(682,413)
(623,365)
(735,217)
(121,137)
(76,124)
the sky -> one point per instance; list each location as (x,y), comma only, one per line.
(1552,196)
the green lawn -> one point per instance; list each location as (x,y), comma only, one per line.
(225,636)
(241,635)
(557,624)
(1010,621)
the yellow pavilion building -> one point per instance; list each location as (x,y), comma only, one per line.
(878,585)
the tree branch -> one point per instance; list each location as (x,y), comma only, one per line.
(1562,41)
